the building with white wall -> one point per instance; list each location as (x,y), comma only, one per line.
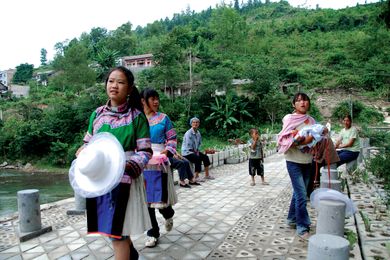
(6,76)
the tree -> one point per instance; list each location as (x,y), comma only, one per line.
(122,40)
(169,63)
(106,59)
(43,57)
(236,5)
(276,105)
(60,47)
(229,28)
(23,73)
(75,73)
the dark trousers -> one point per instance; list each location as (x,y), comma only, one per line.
(183,167)
(346,156)
(197,159)
(167,213)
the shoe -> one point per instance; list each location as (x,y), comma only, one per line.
(265,183)
(194,183)
(150,241)
(209,177)
(304,236)
(185,185)
(199,179)
(253,183)
(169,224)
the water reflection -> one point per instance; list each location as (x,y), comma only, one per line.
(52,187)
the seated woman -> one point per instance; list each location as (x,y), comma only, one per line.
(347,146)
(190,149)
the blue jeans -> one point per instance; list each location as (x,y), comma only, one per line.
(299,175)
(346,156)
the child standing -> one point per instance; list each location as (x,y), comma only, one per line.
(256,157)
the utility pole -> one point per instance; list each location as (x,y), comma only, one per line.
(190,65)
(351,106)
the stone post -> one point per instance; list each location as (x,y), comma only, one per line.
(333,183)
(327,247)
(80,206)
(211,160)
(325,175)
(331,217)
(29,210)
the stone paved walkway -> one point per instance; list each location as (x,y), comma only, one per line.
(225,218)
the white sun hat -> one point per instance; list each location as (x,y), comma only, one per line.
(99,167)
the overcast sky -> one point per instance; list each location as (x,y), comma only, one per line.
(27,26)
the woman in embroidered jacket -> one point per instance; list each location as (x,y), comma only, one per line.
(163,137)
(122,211)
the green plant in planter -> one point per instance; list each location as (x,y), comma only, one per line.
(351,237)
(366,221)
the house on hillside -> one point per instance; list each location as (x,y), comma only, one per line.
(43,76)
(6,76)
(137,63)
(3,90)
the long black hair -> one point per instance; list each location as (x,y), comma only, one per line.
(134,99)
(148,93)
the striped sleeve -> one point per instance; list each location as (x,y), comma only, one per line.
(170,136)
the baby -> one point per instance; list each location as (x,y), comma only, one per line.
(317,132)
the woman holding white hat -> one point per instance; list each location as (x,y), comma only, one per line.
(122,211)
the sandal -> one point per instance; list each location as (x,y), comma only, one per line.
(185,185)
(304,236)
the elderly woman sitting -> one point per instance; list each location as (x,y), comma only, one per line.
(190,149)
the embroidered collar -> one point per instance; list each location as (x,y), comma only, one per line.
(119,109)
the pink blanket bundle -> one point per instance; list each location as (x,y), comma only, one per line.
(291,122)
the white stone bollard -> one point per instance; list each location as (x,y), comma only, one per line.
(211,160)
(215,160)
(332,184)
(331,217)
(221,158)
(325,176)
(80,206)
(327,247)
(29,211)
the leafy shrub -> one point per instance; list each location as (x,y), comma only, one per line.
(370,116)
(377,138)
(344,108)
(349,81)
(336,58)
(379,166)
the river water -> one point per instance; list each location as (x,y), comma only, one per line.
(52,187)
